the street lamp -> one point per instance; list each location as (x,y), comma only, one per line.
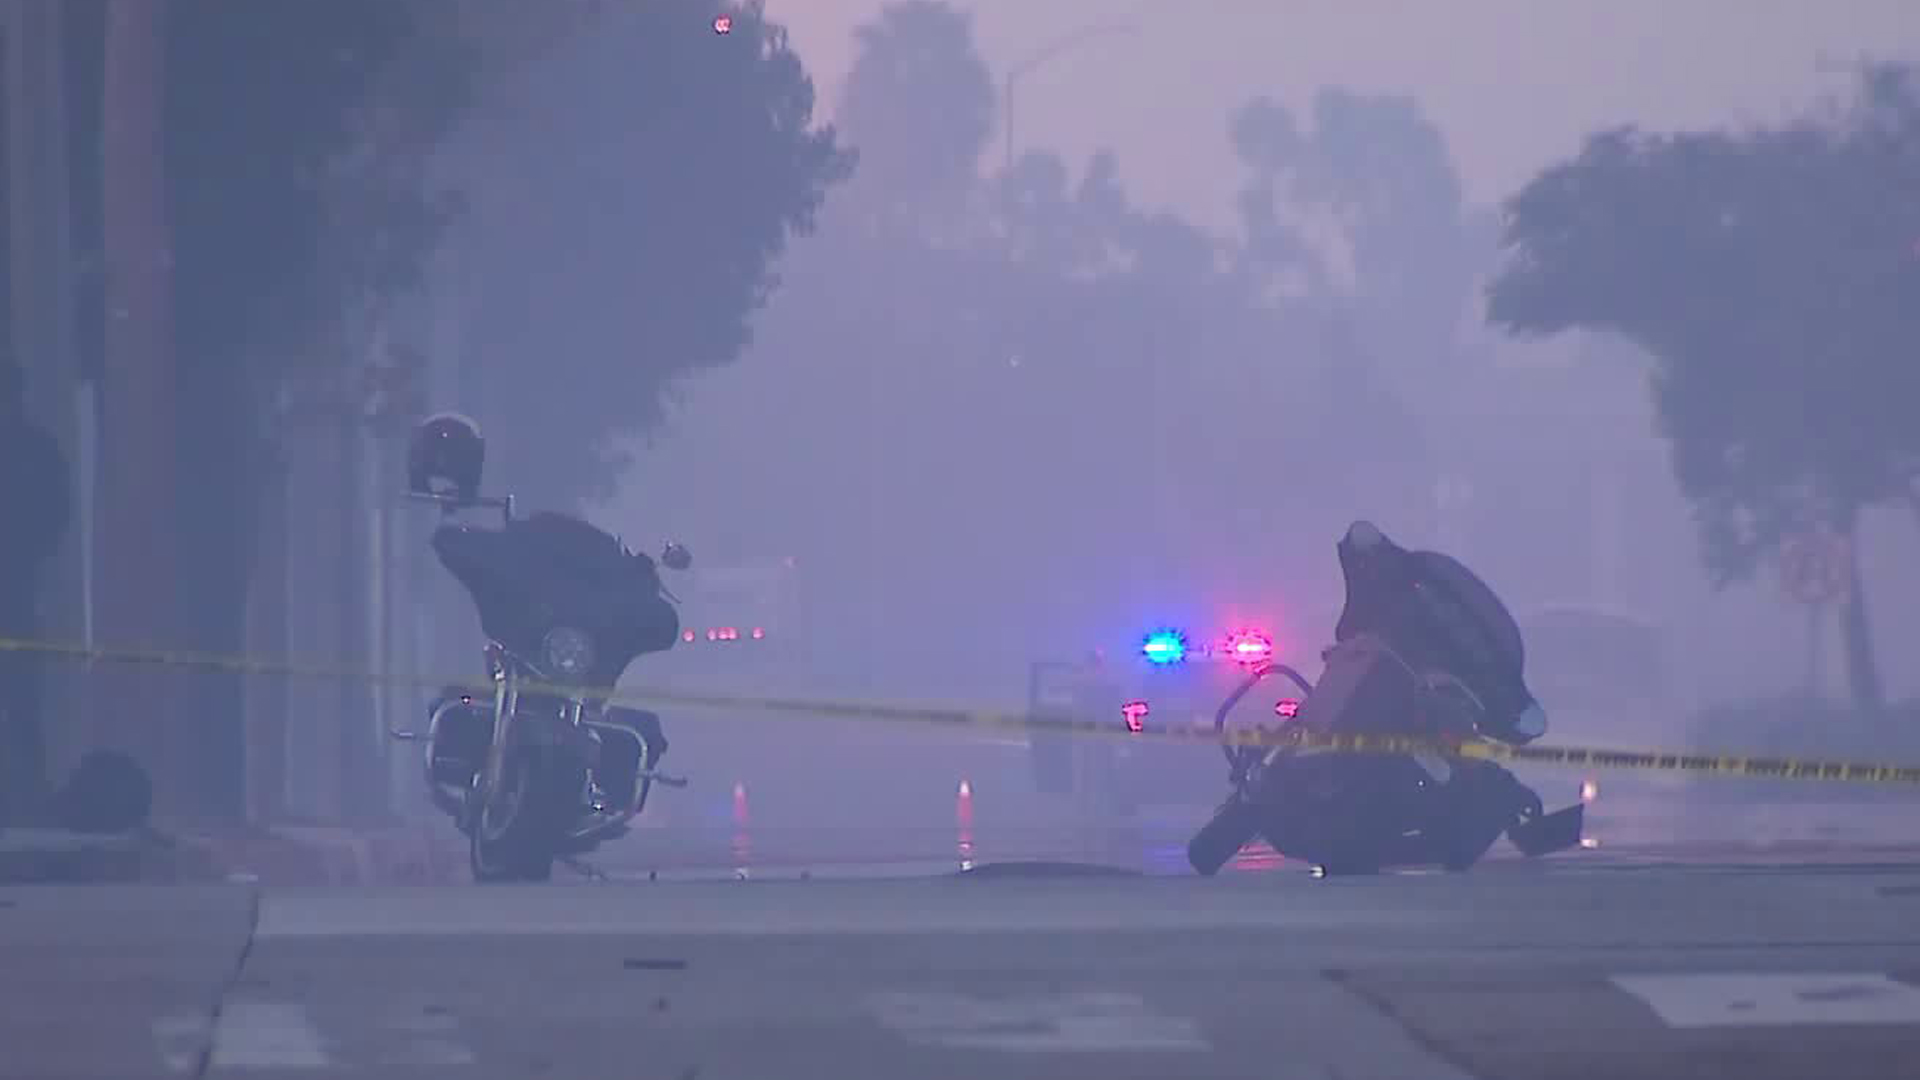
(1052,51)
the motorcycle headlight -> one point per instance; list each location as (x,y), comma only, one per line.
(569,652)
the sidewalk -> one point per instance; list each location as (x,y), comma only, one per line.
(275,855)
(44,856)
(289,854)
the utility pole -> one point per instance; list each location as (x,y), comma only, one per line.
(40,308)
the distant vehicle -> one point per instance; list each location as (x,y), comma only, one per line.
(751,605)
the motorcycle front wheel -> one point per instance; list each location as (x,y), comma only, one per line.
(1233,825)
(516,836)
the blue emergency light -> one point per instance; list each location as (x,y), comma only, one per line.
(1165,647)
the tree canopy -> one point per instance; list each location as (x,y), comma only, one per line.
(630,201)
(1367,205)
(920,51)
(1773,276)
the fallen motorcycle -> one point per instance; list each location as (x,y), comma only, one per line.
(543,767)
(1425,653)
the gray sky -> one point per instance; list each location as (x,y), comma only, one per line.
(1514,84)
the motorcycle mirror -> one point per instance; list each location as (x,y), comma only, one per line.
(676,557)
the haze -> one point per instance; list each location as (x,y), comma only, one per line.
(1512,87)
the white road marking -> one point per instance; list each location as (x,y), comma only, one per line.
(1056,1023)
(431,1052)
(431,1042)
(267,1035)
(255,1034)
(181,1040)
(1768,999)
(771,909)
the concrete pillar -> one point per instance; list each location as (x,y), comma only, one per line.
(267,696)
(136,562)
(42,304)
(314,612)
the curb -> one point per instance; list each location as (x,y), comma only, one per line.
(49,856)
(305,855)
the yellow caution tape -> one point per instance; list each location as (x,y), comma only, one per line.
(1756,766)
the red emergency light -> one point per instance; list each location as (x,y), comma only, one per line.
(1249,647)
(1287,709)
(1136,714)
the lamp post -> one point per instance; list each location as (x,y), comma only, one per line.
(1051,51)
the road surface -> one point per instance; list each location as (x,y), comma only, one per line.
(1603,970)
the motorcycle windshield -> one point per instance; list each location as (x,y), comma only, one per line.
(1471,614)
(1482,643)
(1438,613)
(550,571)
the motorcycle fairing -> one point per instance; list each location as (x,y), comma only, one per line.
(1436,613)
(552,570)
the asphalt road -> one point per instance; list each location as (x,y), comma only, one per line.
(1608,971)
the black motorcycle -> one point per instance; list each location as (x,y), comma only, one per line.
(1425,652)
(544,767)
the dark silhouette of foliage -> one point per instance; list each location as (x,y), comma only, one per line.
(294,136)
(1771,274)
(628,235)
(919,51)
(1375,172)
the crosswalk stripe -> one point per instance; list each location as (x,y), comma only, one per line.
(1767,999)
(256,1034)
(267,1035)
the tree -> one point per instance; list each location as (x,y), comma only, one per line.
(1365,205)
(690,159)
(918,105)
(252,144)
(1356,229)
(1770,273)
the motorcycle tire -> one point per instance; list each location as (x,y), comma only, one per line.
(1233,825)
(523,848)
(1465,846)
(1493,802)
